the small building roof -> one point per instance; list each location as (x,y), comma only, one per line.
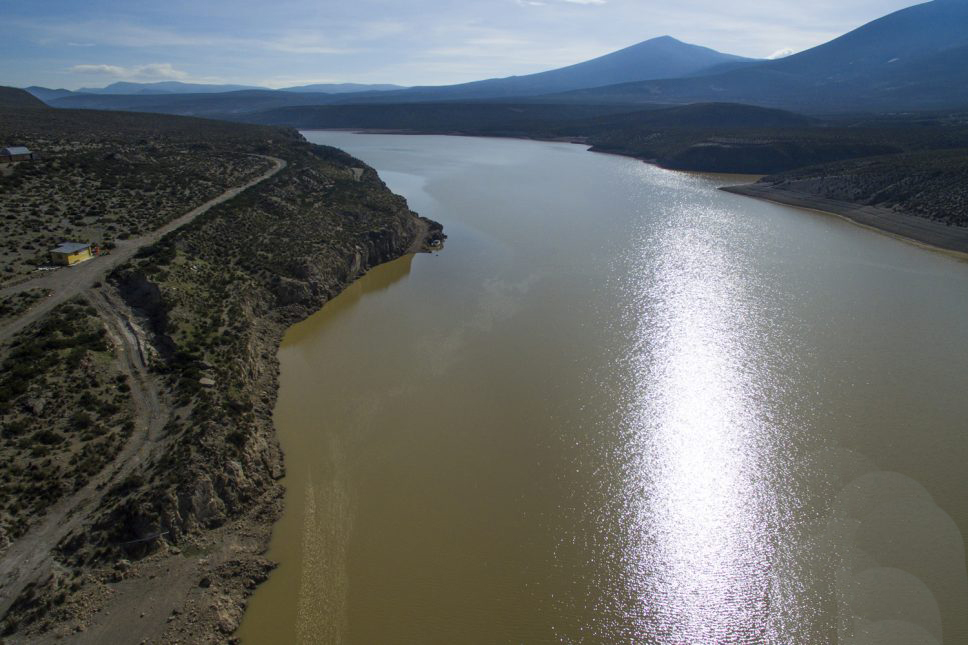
(15,150)
(70,247)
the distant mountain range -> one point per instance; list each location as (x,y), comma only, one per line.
(176,87)
(663,57)
(343,88)
(163,87)
(213,105)
(916,58)
(46,94)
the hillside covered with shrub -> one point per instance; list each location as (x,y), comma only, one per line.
(932,185)
(137,417)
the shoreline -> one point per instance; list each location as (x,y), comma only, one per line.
(796,205)
(258,524)
(194,584)
(239,570)
(458,133)
(918,231)
(201,587)
(912,229)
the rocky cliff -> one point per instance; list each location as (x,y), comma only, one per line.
(184,532)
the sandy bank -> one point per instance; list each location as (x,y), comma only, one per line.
(905,226)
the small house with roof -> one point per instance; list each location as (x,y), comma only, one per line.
(71,253)
(16,153)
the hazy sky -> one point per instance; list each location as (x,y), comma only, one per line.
(73,43)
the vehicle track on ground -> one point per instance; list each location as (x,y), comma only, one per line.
(30,558)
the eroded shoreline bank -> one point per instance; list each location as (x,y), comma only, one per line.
(909,228)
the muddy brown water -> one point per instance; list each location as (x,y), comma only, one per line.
(621,406)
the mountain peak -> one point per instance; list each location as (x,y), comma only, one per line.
(913,58)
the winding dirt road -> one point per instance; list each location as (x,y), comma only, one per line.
(29,559)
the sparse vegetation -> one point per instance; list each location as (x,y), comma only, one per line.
(14,304)
(711,137)
(64,413)
(208,303)
(217,289)
(933,185)
(95,184)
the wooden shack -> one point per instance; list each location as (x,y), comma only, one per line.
(71,253)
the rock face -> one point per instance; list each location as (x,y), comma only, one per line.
(218,310)
(289,291)
(145,299)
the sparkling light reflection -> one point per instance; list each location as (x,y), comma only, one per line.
(700,548)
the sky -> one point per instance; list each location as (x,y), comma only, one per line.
(92,43)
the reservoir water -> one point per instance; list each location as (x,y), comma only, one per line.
(621,406)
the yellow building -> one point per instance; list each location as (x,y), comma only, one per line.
(71,253)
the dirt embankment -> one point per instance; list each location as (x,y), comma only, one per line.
(175,546)
(886,220)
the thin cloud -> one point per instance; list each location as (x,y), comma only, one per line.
(152,71)
(545,3)
(548,3)
(121,34)
(111,33)
(109,70)
(306,43)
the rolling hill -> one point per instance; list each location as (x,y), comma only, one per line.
(46,94)
(528,119)
(200,104)
(11,97)
(715,137)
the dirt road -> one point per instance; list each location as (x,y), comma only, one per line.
(66,282)
(29,558)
